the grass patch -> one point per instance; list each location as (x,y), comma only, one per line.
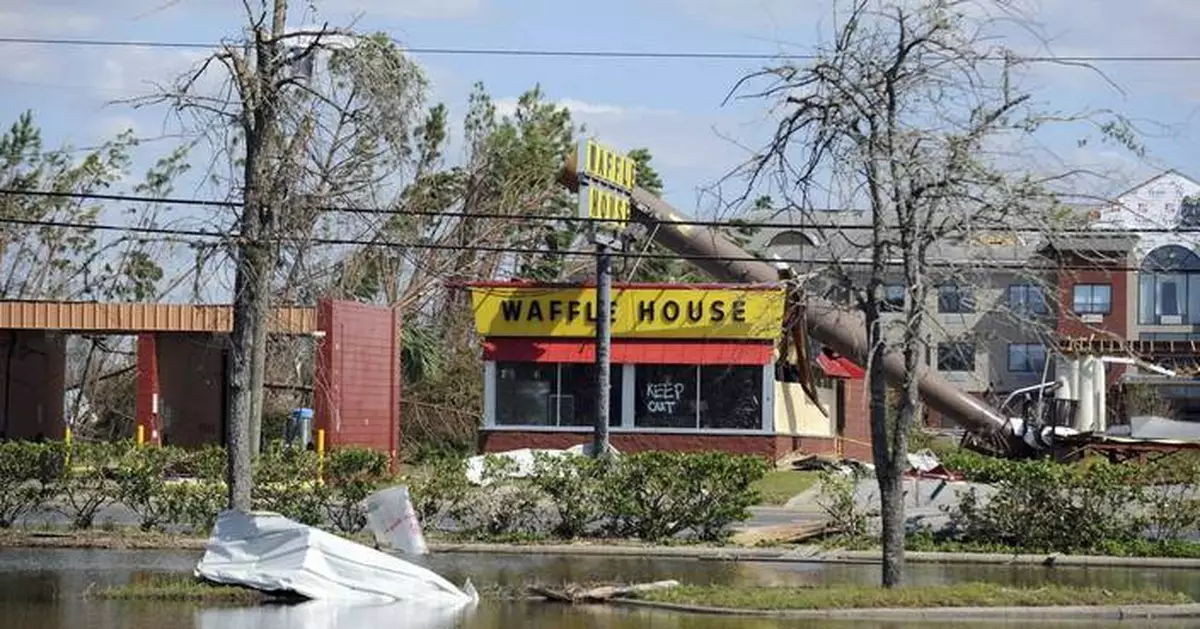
(179,588)
(863,597)
(777,487)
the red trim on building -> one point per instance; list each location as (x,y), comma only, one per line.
(836,366)
(629,351)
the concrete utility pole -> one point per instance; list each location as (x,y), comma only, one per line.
(600,443)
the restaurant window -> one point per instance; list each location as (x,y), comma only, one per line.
(731,397)
(552,394)
(716,397)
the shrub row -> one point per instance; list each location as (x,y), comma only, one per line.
(170,488)
(1089,507)
(649,496)
(1042,506)
(1094,506)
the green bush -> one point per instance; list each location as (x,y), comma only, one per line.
(438,488)
(1048,507)
(285,482)
(140,475)
(573,485)
(657,495)
(24,483)
(85,486)
(503,507)
(351,475)
(194,504)
(836,499)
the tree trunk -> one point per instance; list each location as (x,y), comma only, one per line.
(891,502)
(247,305)
(887,470)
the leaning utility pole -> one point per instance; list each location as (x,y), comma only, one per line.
(606,181)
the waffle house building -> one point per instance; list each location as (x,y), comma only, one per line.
(694,367)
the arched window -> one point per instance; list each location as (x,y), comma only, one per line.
(1169,287)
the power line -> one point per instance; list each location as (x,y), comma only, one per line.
(573,219)
(168,232)
(583,53)
(718,224)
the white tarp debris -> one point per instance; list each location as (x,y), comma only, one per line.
(923,461)
(524,459)
(331,615)
(393,521)
(269,552)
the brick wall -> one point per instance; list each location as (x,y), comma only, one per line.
(856,420)
(1115,323)
(32,372)
(191,371)
(357,396)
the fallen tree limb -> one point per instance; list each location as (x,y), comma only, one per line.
(579,594)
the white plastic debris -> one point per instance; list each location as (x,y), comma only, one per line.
(331,615)
(923,461)
(268,552)
(524,460)
(393,521)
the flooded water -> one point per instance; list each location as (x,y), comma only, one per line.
(44,589)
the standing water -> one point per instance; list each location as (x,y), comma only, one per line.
(44,589)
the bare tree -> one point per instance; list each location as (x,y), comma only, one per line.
(912,112)
(246,122)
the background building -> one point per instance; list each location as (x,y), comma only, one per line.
(1007,301)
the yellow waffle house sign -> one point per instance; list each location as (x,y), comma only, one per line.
(638,312)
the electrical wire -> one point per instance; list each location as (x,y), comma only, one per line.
(581,53)
(718,224)
(169,232)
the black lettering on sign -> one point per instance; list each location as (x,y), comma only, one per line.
(511,310)
(535,311)
(556,310)
(670,311)
(573,308)
(695,310)
(645,312)
(739,311)
(590,307)
(718,311)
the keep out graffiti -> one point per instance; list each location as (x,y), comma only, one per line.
(663,397)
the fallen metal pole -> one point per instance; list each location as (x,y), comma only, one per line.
(841,329)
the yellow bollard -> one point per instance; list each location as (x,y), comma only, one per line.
(320,456)
(141,435)
(67,442)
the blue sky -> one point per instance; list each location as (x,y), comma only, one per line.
(672,107)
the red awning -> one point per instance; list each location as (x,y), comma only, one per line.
(629,351)
(836,366)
